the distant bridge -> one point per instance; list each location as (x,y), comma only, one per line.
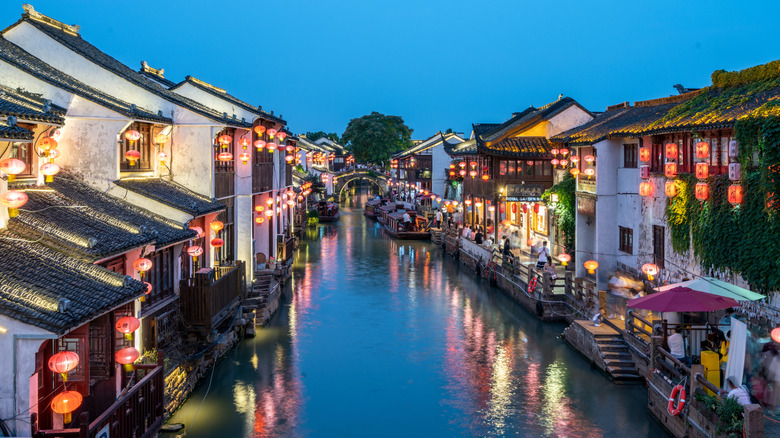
(344,178)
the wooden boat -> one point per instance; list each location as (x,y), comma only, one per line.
(328,211)
(371,210)
(416,230)
(386,209)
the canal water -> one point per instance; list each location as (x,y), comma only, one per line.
(380,337)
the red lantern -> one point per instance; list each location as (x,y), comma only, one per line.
(644,154)
(589,158)
(735,194)
(244,157)
(244,142)
(462,164)
(217,226)
(48,144)
(198,230)
(473,173)
(670,189)
(281,135)
(162,156)
(702,170)
(485,177)
(126,357)
(64,362)
(269,212)
(194,251)
(132,156)
(50,169)
(224,156)
(530,242)
(564,162)
(452,173)
(128,325)
(590,172)
(148,288)
(142,265)
(217,242)
(525,208)
(775,333)
(259,144)
(536,208)
(554,161)
(259,220)
(554,151)
(650,269)
(272,132)
(161,139)
(702,150)
(462,172)
(670,170)
(132,135)
(575,159)
(473,164)
(492,209)
(645,188)
(12,167)
(514,208)
(259,129)
(66,402)
(271,146)
(702,191)
(289,158)
(591,266)
(671,151)
(564,258)
(574,171)
(225,140)
(452,166)
(564,152)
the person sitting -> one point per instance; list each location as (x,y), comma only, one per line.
(598,317)
(737,391)
(489,243)
(677,346)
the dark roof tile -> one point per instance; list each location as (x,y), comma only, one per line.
(172,194)
(219,92)
(519,147)
(28,106)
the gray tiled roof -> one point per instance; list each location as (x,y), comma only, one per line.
(430,142)
(172,194)
(519,147)
(468,147)
(201,85)
(19,58)
(47,289)
(12,133)
(529,117)
(92,53)
(28,106)
(163,81)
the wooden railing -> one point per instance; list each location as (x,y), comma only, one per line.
(262,177)
(137,413)
(289,247)
(211,295)
(224,184)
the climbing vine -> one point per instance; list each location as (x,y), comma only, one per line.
(565,209)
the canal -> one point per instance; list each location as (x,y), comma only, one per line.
(380,337)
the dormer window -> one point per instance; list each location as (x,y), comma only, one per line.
(23,152)
(143,145)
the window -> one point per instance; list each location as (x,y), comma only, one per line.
(161,277)
(658,246)
(502,167)
(23,152)
(226,252)
(546,168)
(115,265)
(143,145)
(511,168)
(629,156)
(657,158)
(626,240)
(224,166)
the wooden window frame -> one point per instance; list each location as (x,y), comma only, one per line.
(659,252)
(630,155)
(144,146)
(626,240)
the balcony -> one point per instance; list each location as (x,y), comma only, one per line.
(224,184)
(262,177)
(586,184)
(138,413)
(211,295)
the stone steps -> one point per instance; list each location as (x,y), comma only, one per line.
(620,364)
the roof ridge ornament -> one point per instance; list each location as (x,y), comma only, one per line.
(206,84)
(155,71)
(30,12)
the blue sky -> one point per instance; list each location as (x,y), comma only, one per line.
(438,64)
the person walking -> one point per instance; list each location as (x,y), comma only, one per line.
(437,220)
(478,237)
(544,254)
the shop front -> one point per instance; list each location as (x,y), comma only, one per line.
(522,216)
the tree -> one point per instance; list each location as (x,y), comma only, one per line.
(374,137)
(314,136)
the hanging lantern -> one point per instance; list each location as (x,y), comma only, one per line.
(644,154)
(161,139)
(269,213)
(554,151)
(463,172)
(492,209)
(259,208)
(142,265)
(564,152)
(473,164)
(259,129)
(775,333)
(225,140)
(735,171)
(645,188)
(589,158)
(478,204)
(564,162)
(54,153)
(65,403)
(148,288)
(702,191)
(530,241)
(63,363)
(438,199)
(554,162)
(216,226)
(132,135)
(591,266)
(289,158)
(128,325)
(733,149)
(198,230)
(162,156)
(281,135)
(702,150)
(244,142)
(452,173)
(126,357)
(485,177)
(575,159)
(536,208)
(525,208)
(735,194)
(132,156)
(289,148)
(564,258)
(259,144)
(650,270)
(272,132)
(270,200)
(194,251)
(454,203)
(462,164)
(259,220)
(671,151)
(217,242)
(467,202)
(473,173)
(452,166)
(224,156)
(590,172)
(702,170)
(574,171)
(271,146)
(12,167)
(48,144)
(670,170)
(50,169)
(670,189)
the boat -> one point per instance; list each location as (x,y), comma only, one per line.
(328,211)
(371,210)
(386,209)
(417,229)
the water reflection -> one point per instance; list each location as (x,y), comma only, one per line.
(383,337)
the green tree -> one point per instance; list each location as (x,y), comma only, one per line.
(314,136)
(374,137)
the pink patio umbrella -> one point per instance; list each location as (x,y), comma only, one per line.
(682,299)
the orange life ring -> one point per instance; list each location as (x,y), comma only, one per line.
(532,285)
(675,410)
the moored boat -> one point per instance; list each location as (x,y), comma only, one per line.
(386,209)
(328,211)
(371,209)
(416,229)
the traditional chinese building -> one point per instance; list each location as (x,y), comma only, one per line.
(425,166)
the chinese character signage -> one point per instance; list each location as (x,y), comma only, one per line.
(524,192)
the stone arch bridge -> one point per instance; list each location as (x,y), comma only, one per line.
(375,178)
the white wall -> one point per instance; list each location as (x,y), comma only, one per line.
(569,118)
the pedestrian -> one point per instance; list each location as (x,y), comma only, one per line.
(489,242)
(677,346)
(550,269)
(506,248)
(478,237)
(437,220)
(770,370)
(544,253)
(737,391)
